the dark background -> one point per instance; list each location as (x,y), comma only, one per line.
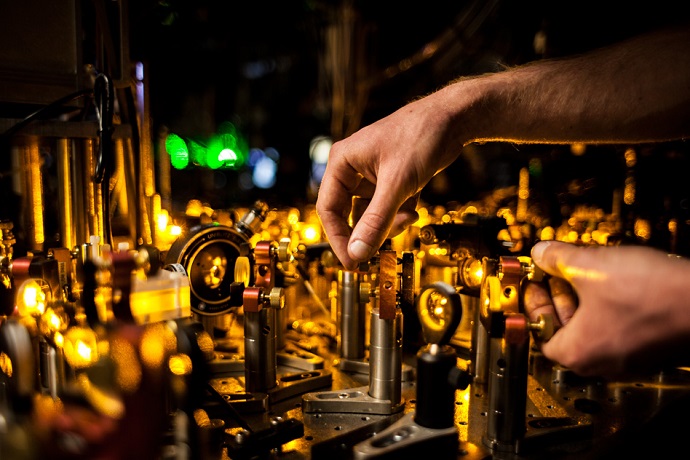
(260,65)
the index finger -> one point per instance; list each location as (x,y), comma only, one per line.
(334,204)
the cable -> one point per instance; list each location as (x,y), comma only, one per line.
(43,110)
(103,94)
(104,97)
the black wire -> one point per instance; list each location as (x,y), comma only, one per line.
(43,110)
(104,96)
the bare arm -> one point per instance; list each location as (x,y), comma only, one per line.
(636,91)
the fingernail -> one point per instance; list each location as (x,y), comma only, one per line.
(538,250)
(360,250)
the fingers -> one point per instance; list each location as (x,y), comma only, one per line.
(333,207)
(555,297)
(538,302)
(378,220)
(563,297)
(568,261)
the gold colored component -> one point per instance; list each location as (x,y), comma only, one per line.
(242,270)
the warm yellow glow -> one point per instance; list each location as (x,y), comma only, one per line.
(600,237)
(643,229)
(5,364)
(194,208)
(445,219)
(103,401)
(586,237)
(472,273)
(310,234)
(629,191)
(523,190)
(129,373)
(155,344)
(162,220)
(578,149)
(630,158)
(35,182)
(503,235)
(205,342)
(80,346)
(572,236)
(293,217)
(45,407)
(470,210)
(180,364)
(31,298)
(548,233)
(53,321)
(673,225)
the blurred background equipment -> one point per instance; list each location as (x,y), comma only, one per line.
(167,292)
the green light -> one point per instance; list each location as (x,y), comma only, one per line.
(198,153)
(177,149)
(227,149)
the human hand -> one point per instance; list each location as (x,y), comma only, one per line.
(386,164)
(629,314)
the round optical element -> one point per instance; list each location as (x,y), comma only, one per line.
(209,254)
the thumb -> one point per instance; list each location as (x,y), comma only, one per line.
(554,257)
(374,225)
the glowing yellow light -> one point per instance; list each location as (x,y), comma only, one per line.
(162,220)
(175,230)
(503,235)
(155,344)
(194,208)
(107,403)
(578,149)
(445,219)
(586,237)
(80,346)
(470,210)
(310,234)
(548,233)
(643,229)
(629,191)
(205,343)
(572,236)
(31,298)
(673,225)
(180,364)
(472,273)
(293,217)
(630,158)
(53,321)
(5,364)
(129,373)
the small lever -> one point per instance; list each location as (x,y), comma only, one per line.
(440,310)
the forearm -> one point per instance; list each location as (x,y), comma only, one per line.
(641,94)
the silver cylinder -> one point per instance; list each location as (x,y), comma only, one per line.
(385,358)
(281,328)
(507,395)
(351,316)
(260,364)
(52,371)
(479,354)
